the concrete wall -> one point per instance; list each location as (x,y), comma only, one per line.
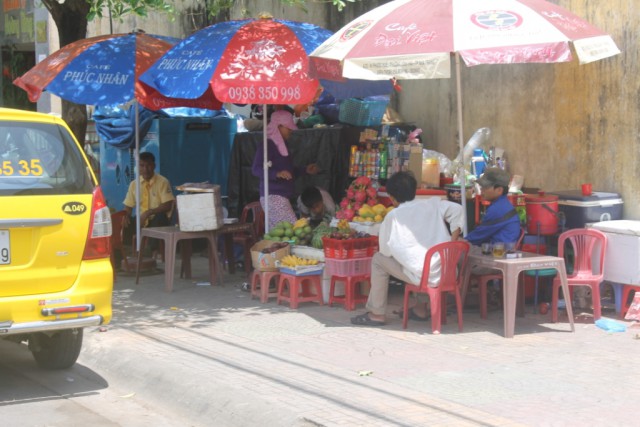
(321,13)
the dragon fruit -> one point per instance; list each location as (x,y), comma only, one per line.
(349,214)
(361,192)
(372,193)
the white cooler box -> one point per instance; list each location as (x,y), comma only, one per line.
(579,210)
(622,260)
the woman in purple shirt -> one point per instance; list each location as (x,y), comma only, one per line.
(281,169)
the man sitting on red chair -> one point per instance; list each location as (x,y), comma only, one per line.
(406,234)
(501,222)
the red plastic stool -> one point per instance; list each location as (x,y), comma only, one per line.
(626,290)
(260,281)
(352,293)
(299,289)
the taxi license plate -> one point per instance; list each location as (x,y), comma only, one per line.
(5,249)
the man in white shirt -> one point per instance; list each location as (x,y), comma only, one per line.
(406,234)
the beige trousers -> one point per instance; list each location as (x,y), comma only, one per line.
(381,268)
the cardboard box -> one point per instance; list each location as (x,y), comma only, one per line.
(200,211)
(267,262)
(415,161)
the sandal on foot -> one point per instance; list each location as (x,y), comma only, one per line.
(365,320)
(414,316)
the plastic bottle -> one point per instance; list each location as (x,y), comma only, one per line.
(352,160)
(375,162)
(478,163)
(383,161)
(431,172)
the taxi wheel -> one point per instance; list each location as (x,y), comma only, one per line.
(57,351)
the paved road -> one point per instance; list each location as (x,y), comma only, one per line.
(210,355)
(76,397)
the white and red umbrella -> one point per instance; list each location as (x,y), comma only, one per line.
(415,39)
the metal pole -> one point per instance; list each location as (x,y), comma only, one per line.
(136,153)
(265,168)
(461,167)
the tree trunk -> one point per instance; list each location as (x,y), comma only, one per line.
(71,19)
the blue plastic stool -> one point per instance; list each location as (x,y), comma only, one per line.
(617,294)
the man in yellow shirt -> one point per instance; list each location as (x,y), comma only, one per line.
(156,197)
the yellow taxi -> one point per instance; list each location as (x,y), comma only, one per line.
(55,228)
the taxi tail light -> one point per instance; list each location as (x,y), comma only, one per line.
(86,308)
(99,240)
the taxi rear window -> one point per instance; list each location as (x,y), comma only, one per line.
(41,159)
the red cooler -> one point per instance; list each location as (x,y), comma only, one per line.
(542,212)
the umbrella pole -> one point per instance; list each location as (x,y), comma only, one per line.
(265,167)
(461,171)
(136,153)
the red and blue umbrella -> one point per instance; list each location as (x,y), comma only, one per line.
(252,61)
(104,70)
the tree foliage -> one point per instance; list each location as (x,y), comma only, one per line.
(120,8)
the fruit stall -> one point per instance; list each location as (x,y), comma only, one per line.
(337,254)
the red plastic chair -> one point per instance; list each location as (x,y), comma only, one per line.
(453,262)
(484,279)
(588,266)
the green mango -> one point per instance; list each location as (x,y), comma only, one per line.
(277,232)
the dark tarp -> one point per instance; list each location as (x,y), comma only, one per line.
(329,147)
(321,145)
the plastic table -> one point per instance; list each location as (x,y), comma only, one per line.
(511,269)
(171,236)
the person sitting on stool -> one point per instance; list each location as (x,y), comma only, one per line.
(316,204)
(156,199)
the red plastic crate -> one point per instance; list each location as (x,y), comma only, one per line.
(348,267)
(350,248)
